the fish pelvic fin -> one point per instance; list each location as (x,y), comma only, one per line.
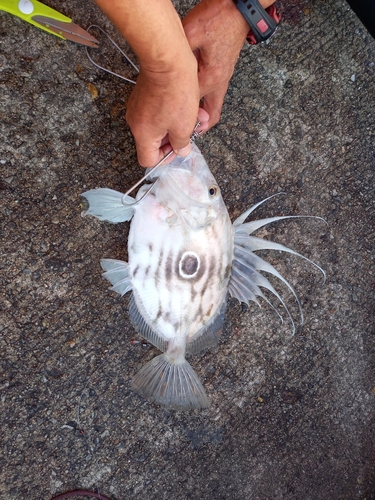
(171,384)
(209,335)
(108,205)
(117,273)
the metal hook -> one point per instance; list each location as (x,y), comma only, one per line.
(121,52)
(193,136)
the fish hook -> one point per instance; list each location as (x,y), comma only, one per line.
(193,136)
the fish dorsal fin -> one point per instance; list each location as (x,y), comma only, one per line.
(117,273)
(143,328)
(210,334)
(109,205)
(246,279)
(241,219)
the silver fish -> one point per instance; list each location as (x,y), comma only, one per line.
(185,256)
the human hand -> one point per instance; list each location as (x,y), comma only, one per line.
(216,32)
(163,107)
(163,110)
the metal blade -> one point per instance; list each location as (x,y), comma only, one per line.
(70,31)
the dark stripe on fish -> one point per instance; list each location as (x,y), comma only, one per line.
(169,267)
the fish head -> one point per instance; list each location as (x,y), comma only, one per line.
(187,187)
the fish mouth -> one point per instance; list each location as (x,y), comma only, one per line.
(169,190)
(194,222)
(194,213)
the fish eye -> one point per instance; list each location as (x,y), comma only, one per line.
(213,191)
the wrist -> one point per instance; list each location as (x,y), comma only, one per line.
(168,52)
(226,10)
(171,70)
(234,18)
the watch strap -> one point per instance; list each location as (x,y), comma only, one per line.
(263,22)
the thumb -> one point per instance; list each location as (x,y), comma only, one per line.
(180,145)
(183,151)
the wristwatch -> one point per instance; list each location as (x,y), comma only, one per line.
(263,22)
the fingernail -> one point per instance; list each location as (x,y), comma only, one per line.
(183,151)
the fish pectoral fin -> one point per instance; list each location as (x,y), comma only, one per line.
(108,205)
(172,385)
(209,335)
(140,326)
(117,273)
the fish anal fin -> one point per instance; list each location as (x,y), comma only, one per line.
(172,385)
(210,335)
(140,325)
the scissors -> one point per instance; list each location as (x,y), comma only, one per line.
(49,20)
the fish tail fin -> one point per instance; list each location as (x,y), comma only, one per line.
(170,384)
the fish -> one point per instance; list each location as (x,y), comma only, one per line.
(185,257)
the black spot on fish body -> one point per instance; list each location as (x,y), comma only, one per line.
(189,264)
(198,259)
(158,267)
(215,234)
(160,257)
(212,268)
(203,291)
(199,314)
(160,311)
(176,326)
(210,276)
(150,247)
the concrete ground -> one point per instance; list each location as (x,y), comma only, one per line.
(291,417)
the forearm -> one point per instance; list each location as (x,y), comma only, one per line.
(152,28)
